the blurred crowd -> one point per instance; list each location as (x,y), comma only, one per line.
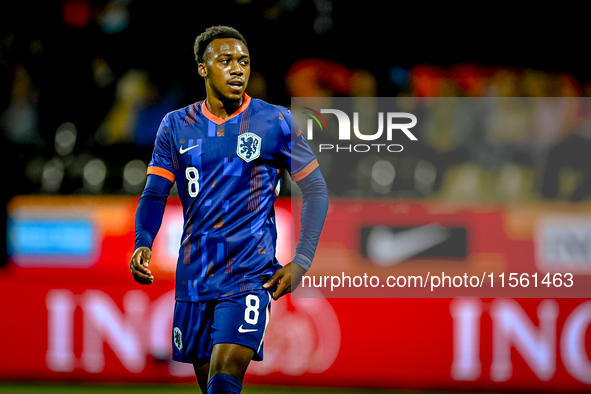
(86,83)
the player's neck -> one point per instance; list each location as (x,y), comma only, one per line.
(221,108)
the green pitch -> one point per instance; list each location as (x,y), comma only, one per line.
(75,388)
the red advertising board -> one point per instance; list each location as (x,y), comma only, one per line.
(93,323)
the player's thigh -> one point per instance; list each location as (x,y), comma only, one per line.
(242,319)
(202,374)
(230,359)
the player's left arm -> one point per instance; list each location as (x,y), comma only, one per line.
(308,177)
(314,209)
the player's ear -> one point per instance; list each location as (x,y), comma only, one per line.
(202,70)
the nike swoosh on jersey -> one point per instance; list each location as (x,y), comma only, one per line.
(189,148)
(243,330)
(386,249)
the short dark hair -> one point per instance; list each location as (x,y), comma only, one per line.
(213,33)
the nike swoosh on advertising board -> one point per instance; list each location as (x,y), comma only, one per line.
(385,248)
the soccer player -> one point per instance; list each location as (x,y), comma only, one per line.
(227,155)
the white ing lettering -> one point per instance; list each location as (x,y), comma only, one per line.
(466,314)
(513,329)
(572,343)
(60,345)
(143,328)
(103,321)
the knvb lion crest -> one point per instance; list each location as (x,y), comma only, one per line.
(249,146)
(178,338)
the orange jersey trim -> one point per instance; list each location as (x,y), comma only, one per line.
(304,172)
(153,170)
(218,120)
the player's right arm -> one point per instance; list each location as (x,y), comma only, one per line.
(148,219)
(139,266)
(150,209)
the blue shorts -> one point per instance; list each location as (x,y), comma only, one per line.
(240,319)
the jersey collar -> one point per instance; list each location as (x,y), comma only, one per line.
(218,120)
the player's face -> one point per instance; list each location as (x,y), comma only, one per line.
(227,68)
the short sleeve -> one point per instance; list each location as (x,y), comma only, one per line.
(294,148)
(162,159)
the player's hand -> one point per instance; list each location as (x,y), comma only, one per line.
(139,266)
(286,278)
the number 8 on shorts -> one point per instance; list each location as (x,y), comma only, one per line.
(251,313)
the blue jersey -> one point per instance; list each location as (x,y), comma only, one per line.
(228,174)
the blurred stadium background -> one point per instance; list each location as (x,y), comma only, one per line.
(84,87)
